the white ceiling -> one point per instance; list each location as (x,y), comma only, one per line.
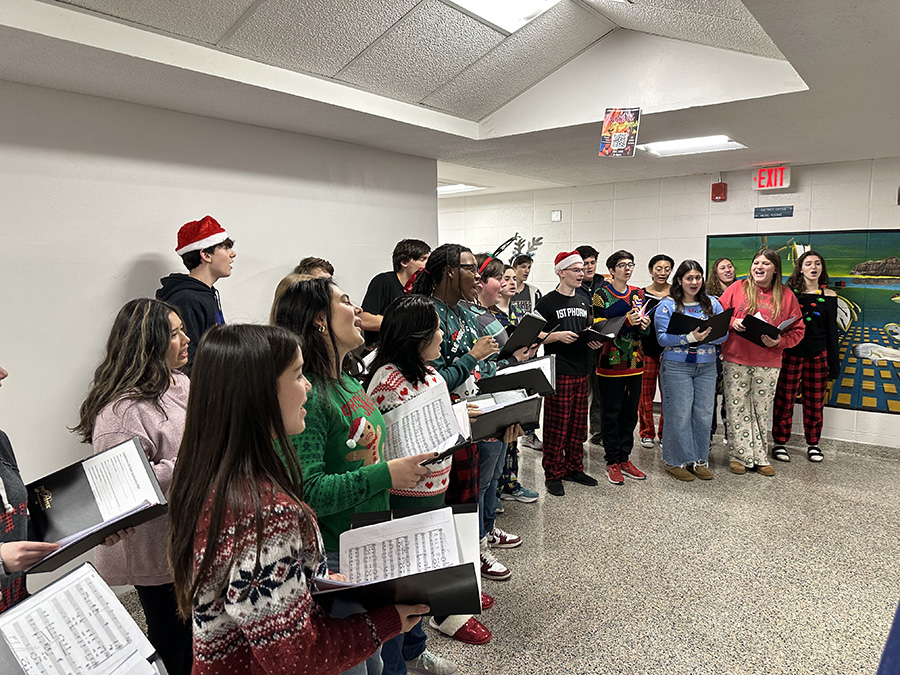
(422,78)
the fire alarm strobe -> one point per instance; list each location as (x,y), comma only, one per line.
(719,192)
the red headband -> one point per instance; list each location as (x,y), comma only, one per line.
(484,264)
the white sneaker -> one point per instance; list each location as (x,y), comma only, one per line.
(530,440)
(491,568)
(427,663)
(498,538)
(647,442)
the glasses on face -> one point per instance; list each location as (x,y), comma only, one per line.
(625,266)
(576,270)
(470,267)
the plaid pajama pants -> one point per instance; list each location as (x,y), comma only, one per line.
(565,426)
(809,375)
(648,391)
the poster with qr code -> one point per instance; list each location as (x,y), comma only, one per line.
(620,129)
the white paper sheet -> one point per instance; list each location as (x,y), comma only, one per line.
(500,399)
(76,626)
(400,547)
(421,424)
(119,480)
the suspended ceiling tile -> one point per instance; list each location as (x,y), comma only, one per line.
(705,22)
(525,57)
(422,52)
(312,35)
(202,20)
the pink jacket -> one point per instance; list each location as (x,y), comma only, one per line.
(140,559)
(738,350)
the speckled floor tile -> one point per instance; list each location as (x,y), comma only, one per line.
(797,573)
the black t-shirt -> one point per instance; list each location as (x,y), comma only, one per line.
(573,313)
(521,301)
(383,290)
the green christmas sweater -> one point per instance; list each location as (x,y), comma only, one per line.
(339,480)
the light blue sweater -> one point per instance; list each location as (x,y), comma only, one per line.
(677,347)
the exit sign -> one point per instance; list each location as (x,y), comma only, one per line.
(772,177)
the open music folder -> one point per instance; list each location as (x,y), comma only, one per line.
(74,626)
(83,503)
(426,557)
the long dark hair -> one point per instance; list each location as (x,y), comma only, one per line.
(713,285)
(409,324)
(677,290)
(795,281)
(134,366)
(445,257)
(297,310)
(228,453)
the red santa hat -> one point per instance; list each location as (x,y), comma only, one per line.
(565,260)
(199,234)
(356,431)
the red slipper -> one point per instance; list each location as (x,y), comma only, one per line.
(486,601)
(473,632)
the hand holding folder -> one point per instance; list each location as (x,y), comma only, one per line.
(755,327)
(682,324)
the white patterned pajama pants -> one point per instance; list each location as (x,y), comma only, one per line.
(749,393)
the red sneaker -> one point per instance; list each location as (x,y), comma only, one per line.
(472,632)
(614,474)
(486,601)
(632,471)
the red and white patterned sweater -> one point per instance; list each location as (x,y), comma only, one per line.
(388,388)
(277,627)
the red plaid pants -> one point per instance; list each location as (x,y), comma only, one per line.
(565,426)
(809,375)
(648,391)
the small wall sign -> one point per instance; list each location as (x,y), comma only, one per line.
(773,212)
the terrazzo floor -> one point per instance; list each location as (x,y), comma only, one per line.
(798,573)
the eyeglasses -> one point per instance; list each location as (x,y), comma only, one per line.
(469,268)
(625,266)
(577,270)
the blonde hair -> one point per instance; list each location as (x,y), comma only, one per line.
(750,288)
(714,285)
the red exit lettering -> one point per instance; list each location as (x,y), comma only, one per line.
(769,177)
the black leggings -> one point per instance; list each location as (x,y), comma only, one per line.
(171,636)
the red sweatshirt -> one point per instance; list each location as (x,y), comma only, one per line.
(738,350)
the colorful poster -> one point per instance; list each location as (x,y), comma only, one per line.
(864,270)
(620,129)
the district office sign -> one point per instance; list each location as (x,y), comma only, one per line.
(773,212)
(619,134)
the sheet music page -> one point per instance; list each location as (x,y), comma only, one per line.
(426,541)
(461,413)
(118,480)
(501,399)
(76,626)
(421,424)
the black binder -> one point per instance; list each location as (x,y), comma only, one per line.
(756,328)
(451,590)
(525,334)
(494,424)
(62,504)
(603,330)
(533,380)
(682,324)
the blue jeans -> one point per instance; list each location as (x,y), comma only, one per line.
(405,647)
(340,609)
(490,465)
(688,397)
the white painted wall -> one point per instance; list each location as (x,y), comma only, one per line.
(93,192)
(674,216)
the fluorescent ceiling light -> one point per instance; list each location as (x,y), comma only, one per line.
(691,146)
(457,188)
(509,15)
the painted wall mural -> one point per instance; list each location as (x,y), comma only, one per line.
(864,270)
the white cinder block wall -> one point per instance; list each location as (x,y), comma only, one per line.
(674,216)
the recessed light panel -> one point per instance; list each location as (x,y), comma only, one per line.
(691,146)
(509,15)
